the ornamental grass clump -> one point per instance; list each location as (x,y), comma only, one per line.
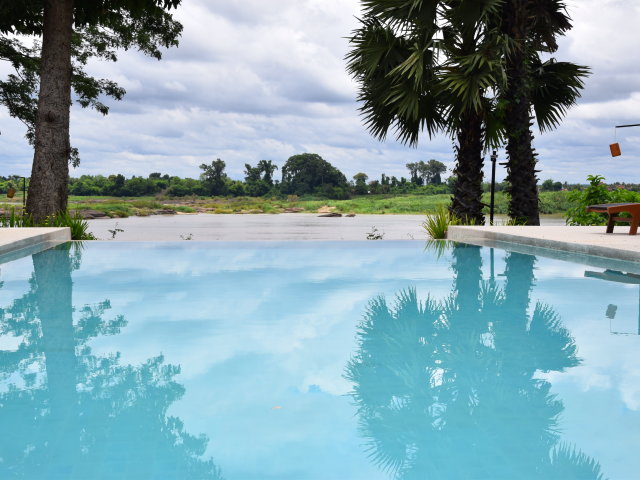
(78,225)
(438,223)
(13,219)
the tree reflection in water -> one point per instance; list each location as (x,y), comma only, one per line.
(67,413)
(447,389)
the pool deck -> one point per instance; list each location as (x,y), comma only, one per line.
(591,241)
(581,240)
(13,239)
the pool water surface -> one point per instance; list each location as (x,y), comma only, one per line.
(316,360)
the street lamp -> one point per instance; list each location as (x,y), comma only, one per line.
(494,157)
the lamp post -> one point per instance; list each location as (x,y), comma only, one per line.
(24,194)
(494,157)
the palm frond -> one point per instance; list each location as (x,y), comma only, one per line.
(556,87)
(568,462)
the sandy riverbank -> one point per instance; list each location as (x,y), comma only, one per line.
(299,226)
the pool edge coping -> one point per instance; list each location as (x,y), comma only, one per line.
(15,239)
(478,234)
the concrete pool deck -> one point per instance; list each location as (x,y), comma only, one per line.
(551,240)
(581,240)
(13,239)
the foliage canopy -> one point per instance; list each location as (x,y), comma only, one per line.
(308,172)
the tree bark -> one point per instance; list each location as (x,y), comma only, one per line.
(521,163)
(48,189)
(467,189)
(54,289)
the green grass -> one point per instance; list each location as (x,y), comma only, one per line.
(382,204)
(409,204)
(184,209)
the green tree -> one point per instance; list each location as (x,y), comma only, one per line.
(116,185)
(547,185)
(433,172)
(75,414)
(414,168)
(255,185)
(213,177)
(77,30)
(267,168)
(360,183)
(309,173)
(251,174)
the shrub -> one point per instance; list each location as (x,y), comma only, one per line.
(78,225)
(596,193)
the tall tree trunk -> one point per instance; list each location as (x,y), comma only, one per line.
(48,188)
(52,274)
(467,189)
(521,163)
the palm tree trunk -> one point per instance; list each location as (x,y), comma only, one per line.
(48,188)
(467,189)
(521,163)
(520,279)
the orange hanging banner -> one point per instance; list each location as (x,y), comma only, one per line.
(11,192)
(615,150)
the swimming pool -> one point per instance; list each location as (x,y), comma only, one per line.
(316,360)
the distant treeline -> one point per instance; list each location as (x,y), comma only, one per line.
(304,174)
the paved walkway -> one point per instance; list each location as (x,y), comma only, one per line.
(584,240)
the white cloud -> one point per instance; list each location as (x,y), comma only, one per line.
(265,80)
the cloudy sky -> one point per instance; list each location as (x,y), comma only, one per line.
(262,79)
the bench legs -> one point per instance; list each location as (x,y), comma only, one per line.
(613,209)
(633,228)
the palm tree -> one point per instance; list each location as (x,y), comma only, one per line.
(473,70)
(531,26)
(441,387)
(427,67)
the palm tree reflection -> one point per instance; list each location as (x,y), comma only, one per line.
(67,413)
(447,389)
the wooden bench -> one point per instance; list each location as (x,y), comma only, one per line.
(612,209)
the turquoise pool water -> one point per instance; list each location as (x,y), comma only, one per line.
(339,360)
